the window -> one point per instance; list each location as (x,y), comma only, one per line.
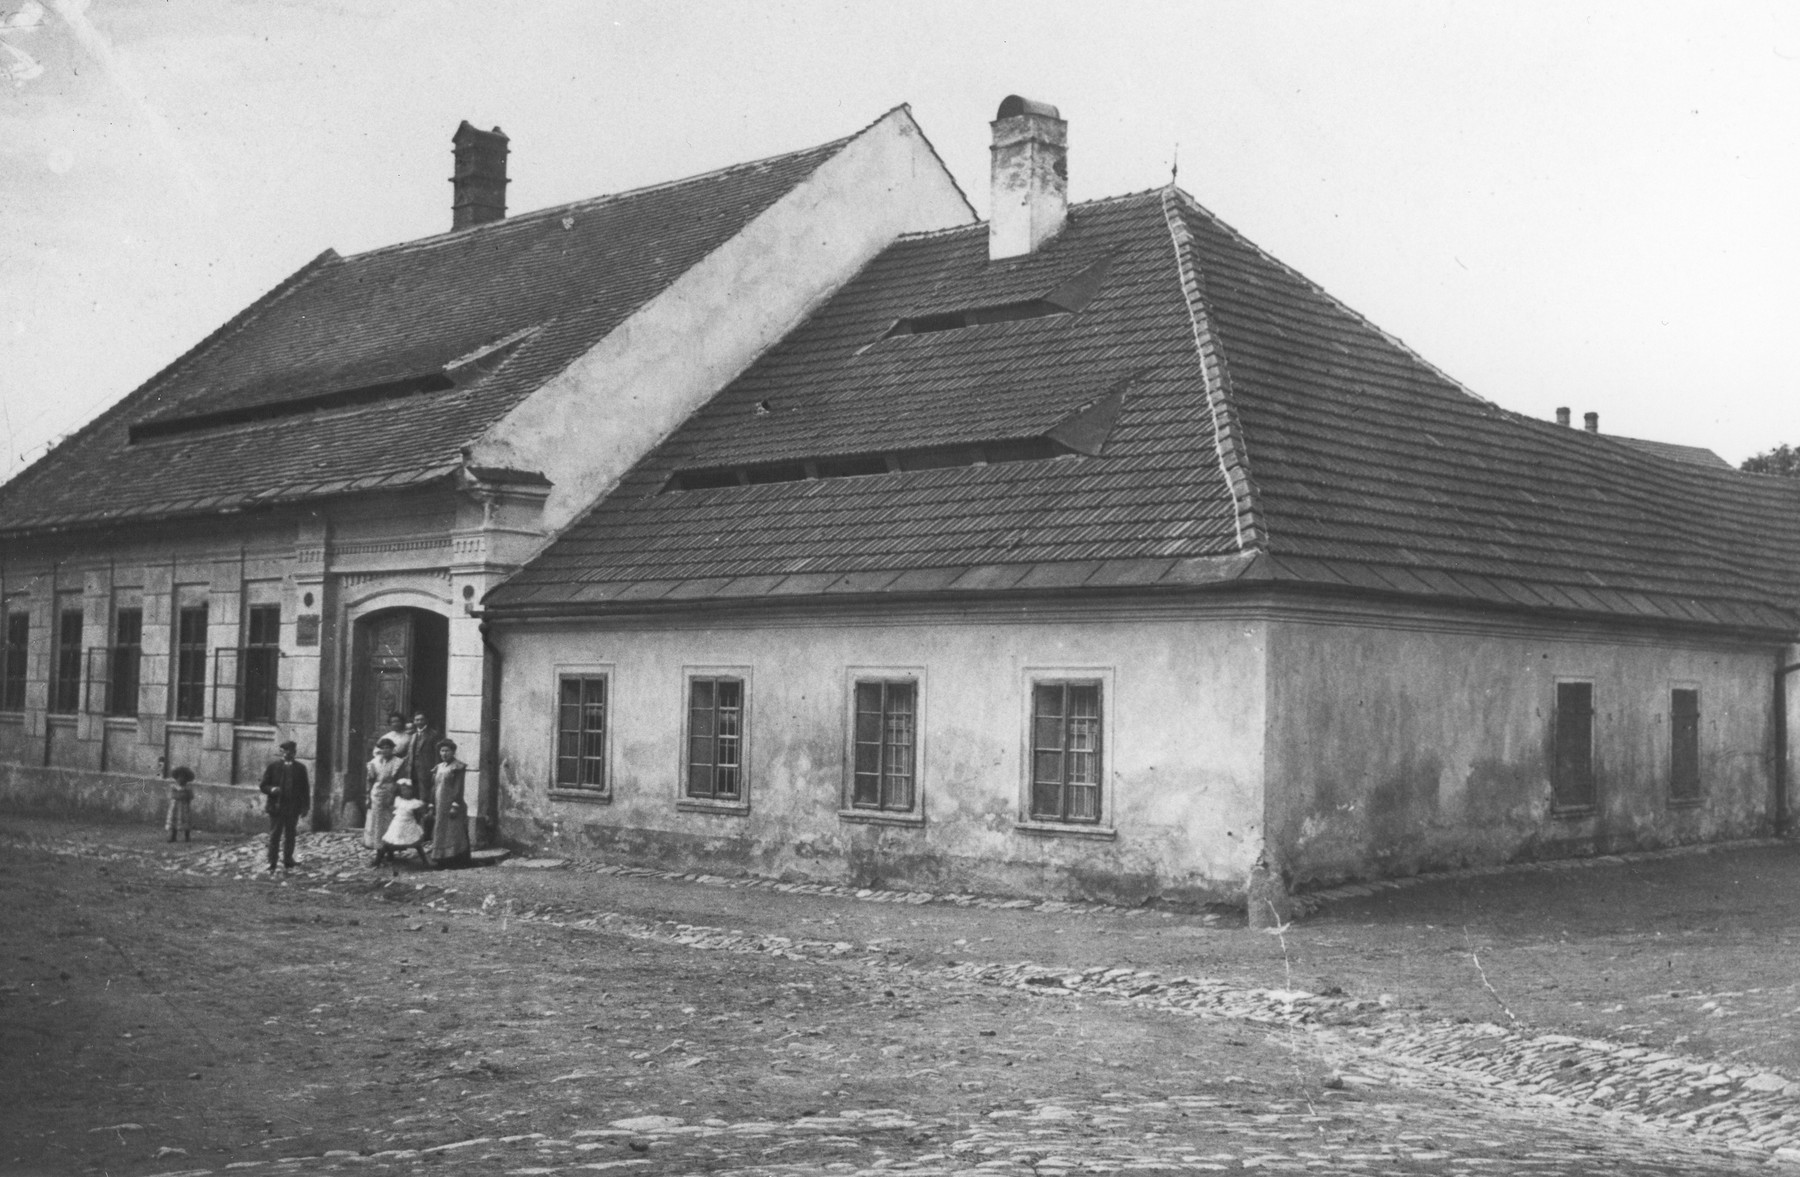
(1684,745)
(124,659)
(65,680)
(1065,752)
(190,662)
(715,770)
(15,653)
(258,664)
(581,733)
(886,734)
(1572,767)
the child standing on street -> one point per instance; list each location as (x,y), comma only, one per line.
(404,832)
(181,798)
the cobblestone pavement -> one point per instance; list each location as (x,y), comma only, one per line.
(1502,1099)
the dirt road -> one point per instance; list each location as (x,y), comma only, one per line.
(164,1011)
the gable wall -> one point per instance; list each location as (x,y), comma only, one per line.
(587,427)
(1183,749)
(1407,739)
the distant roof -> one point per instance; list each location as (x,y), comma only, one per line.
(373,371)
(1206,415)
(1698,455)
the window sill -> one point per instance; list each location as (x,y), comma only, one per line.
(1573,812)
(1057,829)
(61,719)
(12,717)
(187,725)
(257,728)
(701,805)
(876,817)
(581,796)
(118,722)
(1686,802)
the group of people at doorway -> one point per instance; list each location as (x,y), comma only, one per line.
(414,798)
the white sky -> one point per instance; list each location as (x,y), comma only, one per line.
(1579,204)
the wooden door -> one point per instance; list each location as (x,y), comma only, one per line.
(383,683)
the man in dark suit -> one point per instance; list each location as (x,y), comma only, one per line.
(287,794)
(421,754)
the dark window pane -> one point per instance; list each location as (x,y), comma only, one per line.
(190,663)
(1066,759)
(581,733)
(1573,760)
(16,653)
(65,681)
(1684,745)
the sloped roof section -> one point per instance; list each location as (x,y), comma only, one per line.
(841,385)
(1698,455)
(1265,433)
(1375,470)
(374,370)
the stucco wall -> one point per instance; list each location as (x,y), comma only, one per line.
(112,796)
(1183,750)
(1411,740)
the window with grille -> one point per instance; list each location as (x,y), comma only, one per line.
(1684,744)
(581,733)
(123,662)
(886,731)
(1572,767)
(259,664)
(715,769)
(190,662)
(65,673)
(1065,752)
(15,653)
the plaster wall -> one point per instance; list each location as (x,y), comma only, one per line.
(1410,740)
(1183,763)
(634,387)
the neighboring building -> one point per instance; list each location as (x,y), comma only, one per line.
(280,534)
(1095,552)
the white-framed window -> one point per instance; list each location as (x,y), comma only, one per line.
(715,739)
(581,761)
(1066,778)
(885,745)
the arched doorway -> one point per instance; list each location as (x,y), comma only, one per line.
(400,661)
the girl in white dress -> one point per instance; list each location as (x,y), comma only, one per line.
(404,832)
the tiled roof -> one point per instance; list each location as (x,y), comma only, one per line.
(1267,433)
(550,283)
(1699,455)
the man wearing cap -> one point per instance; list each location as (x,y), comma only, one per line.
(287,794)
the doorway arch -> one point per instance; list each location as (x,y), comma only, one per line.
(399,661)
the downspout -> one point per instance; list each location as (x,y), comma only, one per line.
(487,802)
(1781,747)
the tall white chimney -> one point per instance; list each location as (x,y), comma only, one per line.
(1030,194)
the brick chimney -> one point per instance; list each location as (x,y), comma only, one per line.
(1592,421)
(1030,194)
(480,179)
(1562,417)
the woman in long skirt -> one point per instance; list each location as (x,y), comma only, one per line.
(450,831)
(384,773)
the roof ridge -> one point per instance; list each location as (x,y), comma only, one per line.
(1228,434)
(218,334)
(1331,298)
(536,215)
(948,230)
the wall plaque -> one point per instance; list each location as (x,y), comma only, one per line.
(306,629)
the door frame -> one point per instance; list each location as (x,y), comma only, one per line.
(350,759)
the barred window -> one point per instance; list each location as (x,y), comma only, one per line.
(1065,752)
(715,739)
(190,663)
(886,736)
(16,653)
(259,663)
(124,660)
(65,673)
(581,733)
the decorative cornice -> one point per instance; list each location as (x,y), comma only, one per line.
(1228,434)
